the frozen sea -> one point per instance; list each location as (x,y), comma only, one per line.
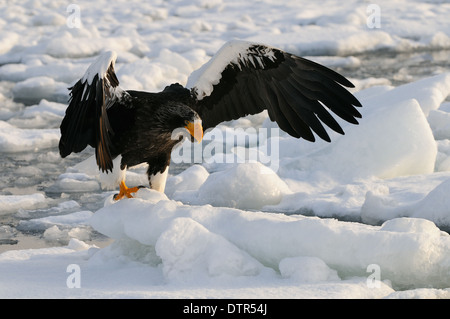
(365,216)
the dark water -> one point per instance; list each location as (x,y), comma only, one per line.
(401,68)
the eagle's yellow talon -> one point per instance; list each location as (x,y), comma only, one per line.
(125,191)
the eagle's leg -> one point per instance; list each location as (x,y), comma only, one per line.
(157,179)
(125,191)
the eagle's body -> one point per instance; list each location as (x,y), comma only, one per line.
(141,130)
(241,79)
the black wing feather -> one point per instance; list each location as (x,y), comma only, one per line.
(297,93)
(86,121)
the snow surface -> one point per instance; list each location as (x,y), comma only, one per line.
(365,216)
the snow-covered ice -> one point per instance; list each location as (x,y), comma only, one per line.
(365,216)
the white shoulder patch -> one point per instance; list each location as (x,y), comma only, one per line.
(235,52)
(99,66)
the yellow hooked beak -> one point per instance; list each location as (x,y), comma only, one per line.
(196,130)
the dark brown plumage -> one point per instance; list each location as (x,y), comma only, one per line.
(241,79)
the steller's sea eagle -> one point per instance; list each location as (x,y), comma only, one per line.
(242,78)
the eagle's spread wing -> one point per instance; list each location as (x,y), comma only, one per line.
(86,121)
(245,78)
